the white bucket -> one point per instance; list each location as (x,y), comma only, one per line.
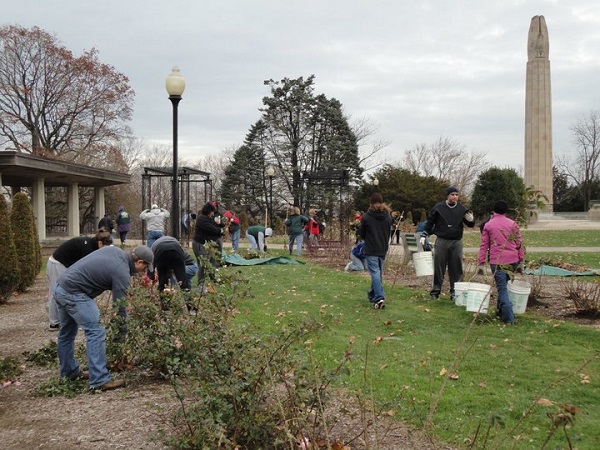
(477,297)
(460,293)
(423,262)
(518,293)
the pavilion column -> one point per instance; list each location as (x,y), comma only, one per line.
(38,203)
(73,210)
(99,205)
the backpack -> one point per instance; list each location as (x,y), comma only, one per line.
(123,218)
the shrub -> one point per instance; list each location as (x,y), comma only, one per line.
(24,232)
(9,267)
(10,368)
(585,296)
(235,388)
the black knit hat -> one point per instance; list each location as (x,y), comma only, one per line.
(376,198)
(500,207)
(452,189)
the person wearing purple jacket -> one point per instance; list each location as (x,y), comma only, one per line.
(501,239)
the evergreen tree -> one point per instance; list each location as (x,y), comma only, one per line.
(23,226)
(9,268)
(403,190)
(500,184)
(305,133)
(244,185)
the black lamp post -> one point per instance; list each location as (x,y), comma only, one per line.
(175,85)
(271,174)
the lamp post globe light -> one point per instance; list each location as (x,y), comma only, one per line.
(376,182)
(175,85)
(270,174)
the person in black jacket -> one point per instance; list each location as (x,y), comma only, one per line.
(107,223)
(446,220)
(206,243)
(67,254)
(375,230)
(169,262)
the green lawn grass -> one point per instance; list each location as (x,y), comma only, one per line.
(401,354)
(545,238)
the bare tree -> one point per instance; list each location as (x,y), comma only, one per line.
(583,165)
(53,103)
(369,150)
(215,164)
(448,160)
(160,156)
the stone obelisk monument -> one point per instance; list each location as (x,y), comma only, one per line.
(538,111)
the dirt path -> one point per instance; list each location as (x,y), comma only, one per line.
(121,419)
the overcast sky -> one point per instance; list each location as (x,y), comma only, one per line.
(416,69)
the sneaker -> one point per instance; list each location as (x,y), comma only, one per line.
(434,297)
(54,327)
(110,385)
(514,322)
(379,304)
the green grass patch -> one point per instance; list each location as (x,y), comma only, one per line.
(590,260)
(545,238)
(403,356)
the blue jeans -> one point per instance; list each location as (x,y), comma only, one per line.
(153,236)
(504,305)
(190,273)
(235,240)
(299,238)
(375,268)
(75,311)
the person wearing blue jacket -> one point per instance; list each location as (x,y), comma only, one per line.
(357,259)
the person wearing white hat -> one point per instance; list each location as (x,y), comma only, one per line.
(256,235)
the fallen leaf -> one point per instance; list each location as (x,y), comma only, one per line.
(351,340)
(443,372)
(544,402)
(453,376)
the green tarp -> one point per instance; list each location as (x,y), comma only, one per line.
(558,272)
(237,260)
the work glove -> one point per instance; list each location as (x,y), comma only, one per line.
(480,269)
(520,268)
(422,241)
(469,216)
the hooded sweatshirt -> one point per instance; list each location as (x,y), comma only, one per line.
(375,230)
(155,218)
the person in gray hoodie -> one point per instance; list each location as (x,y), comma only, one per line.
(155,223)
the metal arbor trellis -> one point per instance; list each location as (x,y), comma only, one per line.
(322,184)
(187,177)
